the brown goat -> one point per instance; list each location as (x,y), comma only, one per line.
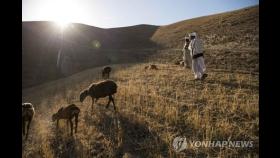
(100,90)
(67,113)
(28,113)
(106,72)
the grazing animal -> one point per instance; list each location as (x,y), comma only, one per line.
(151,67)
(106,72)
(67,113)
(177,62)
(100,90)
(182,63)
(28,113)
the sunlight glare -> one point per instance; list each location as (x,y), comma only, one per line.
(62,12)
(62,24)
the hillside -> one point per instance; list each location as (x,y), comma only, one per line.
(231,30)
(87,47)
(231,42)
(153,108)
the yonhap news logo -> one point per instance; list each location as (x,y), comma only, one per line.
(181,143)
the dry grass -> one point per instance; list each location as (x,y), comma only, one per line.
(154,106)
(235,29)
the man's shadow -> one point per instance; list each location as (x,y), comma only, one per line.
(233,85)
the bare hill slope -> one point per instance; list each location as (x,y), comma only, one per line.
(231,42)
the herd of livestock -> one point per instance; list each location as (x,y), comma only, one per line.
(95,91)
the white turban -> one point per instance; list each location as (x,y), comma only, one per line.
(193,34)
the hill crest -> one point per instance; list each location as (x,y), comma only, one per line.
(89,46)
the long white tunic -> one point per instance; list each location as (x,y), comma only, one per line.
(198,65)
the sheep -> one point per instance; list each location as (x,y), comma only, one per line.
(151,67)
(106,72)
(100,90)
(67,113)
(182,63)
(28,113)
(177,62)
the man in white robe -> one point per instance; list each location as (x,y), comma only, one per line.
(196,53)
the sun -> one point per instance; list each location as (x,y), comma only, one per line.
(62,12)
(62,24)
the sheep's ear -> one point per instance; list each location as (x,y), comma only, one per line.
(24,105)
(60,109)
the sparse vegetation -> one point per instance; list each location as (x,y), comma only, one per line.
(156,106)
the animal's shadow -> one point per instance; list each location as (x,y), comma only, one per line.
(130,135)
(63,145)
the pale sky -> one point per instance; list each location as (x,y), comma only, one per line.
(119,13)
